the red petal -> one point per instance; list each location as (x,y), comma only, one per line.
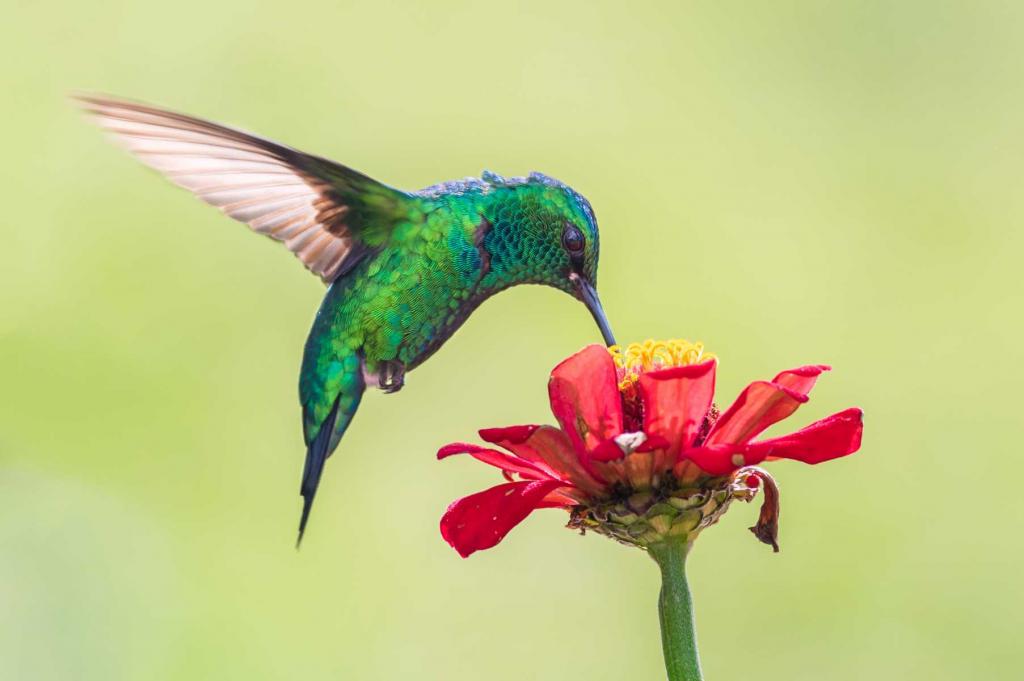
(510,434)
(606,451)
(560,498)
(764,403)
(507,463)
(801,379)
(720,459)
(824,440)
(549,449)
(652,443)
(585,399)
(675,402)
(609,450)
(481,520)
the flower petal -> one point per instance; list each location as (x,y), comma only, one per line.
(607,451)
(585,399)
(509,434)
(764,403)
(564,497)
(676,400)
(549,449)
(801,379)
(634,470)
(824,440)
(719,459)
(481,520)
(507,463)
(767,527)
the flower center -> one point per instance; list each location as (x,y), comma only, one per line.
(636,358)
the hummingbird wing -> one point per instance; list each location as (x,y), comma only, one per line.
(325,213)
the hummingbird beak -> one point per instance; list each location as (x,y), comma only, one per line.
(589,296)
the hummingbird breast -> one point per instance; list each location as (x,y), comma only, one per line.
(424,341)
(404,302)
(403,305)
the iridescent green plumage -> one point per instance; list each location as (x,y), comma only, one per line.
(405,269)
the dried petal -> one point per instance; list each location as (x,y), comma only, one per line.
(767,527)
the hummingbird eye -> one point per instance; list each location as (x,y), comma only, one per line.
(572,240)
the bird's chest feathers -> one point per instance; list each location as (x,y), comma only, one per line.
(422,296)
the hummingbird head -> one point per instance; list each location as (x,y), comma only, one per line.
(542,231)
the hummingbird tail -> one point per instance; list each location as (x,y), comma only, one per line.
(316,456)
(321,447)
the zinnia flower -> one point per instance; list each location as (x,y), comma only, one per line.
(641,453)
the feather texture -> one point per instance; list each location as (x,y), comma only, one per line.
(295,198)
(407,268)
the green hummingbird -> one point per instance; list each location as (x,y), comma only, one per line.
(404,269)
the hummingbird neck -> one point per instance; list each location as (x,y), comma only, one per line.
(508,256)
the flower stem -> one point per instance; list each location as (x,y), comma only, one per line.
(675,610)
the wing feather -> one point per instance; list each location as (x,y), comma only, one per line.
(295,198)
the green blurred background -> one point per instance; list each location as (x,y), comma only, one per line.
(790,182)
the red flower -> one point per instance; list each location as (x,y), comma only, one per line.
(641,454)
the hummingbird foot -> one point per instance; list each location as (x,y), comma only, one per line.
(391,376)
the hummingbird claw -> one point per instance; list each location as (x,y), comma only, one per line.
(392,376)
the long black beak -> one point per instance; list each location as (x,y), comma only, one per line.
(593,303)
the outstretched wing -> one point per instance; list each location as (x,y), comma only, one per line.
(326,214)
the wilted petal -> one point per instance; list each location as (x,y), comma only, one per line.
(767,527)
(506,462)
(824,440)
(676,401)
(481,520)
(585,398)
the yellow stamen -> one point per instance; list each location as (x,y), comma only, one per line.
(636,358)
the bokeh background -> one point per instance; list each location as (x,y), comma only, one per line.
(790,182)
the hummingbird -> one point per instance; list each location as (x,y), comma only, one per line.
(403,269)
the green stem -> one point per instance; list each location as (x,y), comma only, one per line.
(675,609)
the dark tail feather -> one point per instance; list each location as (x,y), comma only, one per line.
(316,457)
